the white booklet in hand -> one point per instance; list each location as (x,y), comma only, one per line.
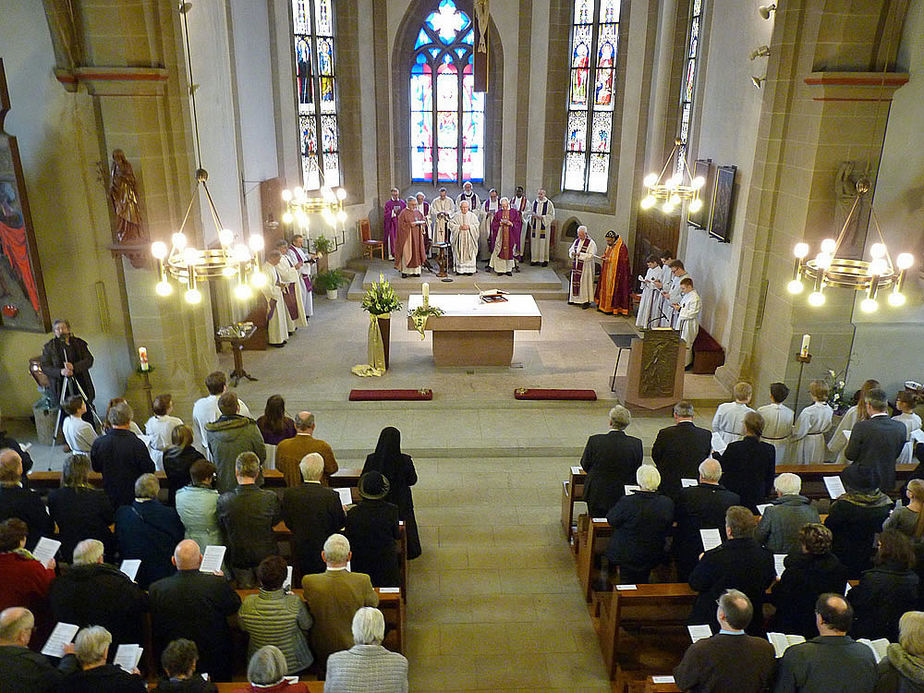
(835,486)
(346,496)
(212,558)
(686,483)
(781,642)
(718,443)
(878,647)
(630,488)
(762,508)
(62,635)
(699,632)
(778,559)
(130,567)
(711,538)
(127,657)
(45,550)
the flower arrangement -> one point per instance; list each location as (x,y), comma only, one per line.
(330,280)
(381,298)
(835,382)
(420,315)
(324,245)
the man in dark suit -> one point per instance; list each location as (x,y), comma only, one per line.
(700,507)
(730,660)
(312,512)
(750,464)
(610,460)
(120,456)
(678,449)
(876,442)
(740,563)
(16,501)
(196,606)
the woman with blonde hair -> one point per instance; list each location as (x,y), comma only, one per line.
(908,519)
(902,669)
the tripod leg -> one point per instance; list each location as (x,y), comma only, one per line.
(54,438)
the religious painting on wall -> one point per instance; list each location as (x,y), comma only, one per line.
(22,293)
(700,218)
(723,194)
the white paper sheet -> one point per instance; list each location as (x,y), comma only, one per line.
(62,635)
(778,559)
(835,486)
(212,558)
(130,567)
(45,550)
(599,519)
(389,590)
(632,489)
(711,538)
(846,434)
(346,496)
(287,585)
(718,443)
(685,483)
(781,642)
(577,470)
(763,507)
(699,632)
(662,679)
(127,657)
(624,588)
(878,647)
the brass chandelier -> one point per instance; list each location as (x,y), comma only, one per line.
(329,204)
(674,190)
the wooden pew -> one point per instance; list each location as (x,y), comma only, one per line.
(344,478)
(392,606)
(231,687)
(590,551)
(572,492)
(652,687)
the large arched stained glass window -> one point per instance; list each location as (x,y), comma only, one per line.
(318,133)
(689,83)
(447,115)
(591,95)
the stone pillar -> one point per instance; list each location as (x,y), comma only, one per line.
(661,89)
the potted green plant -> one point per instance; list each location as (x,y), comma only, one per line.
(330,282)
(323,246)
(380,301)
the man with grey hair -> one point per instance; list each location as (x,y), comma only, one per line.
(701,506)
(367,666)
(333,598)
(312,512)
(875,443)
(91,647)
(730,660)
(148,530)
(247,515)
(92,592)
(781,521)
(31,671)
(610,460)
(678,449)
(641,522)
(17,501)
(120,456)
(582,254)
(292,451)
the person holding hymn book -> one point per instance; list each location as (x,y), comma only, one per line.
(876,443)
(689,307)
(649,308)
(810,570)
(424,208)
(159,428)
(778,420)
(79,510)
(728,422)
(178,460)
(663,283)
(678,449)
(610,460)
(833,662)
(730,660)
(750,464)
(838,441)
(32,671)
(78,434)
(179,661)
(615,283)
(442,209)
(505,234)
(902,669)
(808,442)
(197,505)
(855,518)
(887,590)
(541,217)
(671,292)
(904,402)
(96,675)
(782,520)
(266,673)
(909,520)
(582,254)
(410,253)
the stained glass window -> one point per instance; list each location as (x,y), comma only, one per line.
(447,115)
(591,95)
(688,86)
(316,89)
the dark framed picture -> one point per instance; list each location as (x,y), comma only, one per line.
(723,194)
(704,168)
(23,305)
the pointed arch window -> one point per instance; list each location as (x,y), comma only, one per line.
(316,89)
(446,114)
(591,95)
(688,87)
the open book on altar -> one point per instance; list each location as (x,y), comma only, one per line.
(492,295)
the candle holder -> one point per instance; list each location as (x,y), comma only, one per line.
(802,359)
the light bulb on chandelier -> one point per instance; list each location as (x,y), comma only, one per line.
(672,190)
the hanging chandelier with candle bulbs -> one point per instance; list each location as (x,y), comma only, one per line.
(671,192)
(828,268)
(329,204)
(188,265)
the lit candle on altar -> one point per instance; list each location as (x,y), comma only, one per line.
(425,289)
(143,357)
(806,340)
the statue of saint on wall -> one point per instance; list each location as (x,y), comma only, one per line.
(123,192)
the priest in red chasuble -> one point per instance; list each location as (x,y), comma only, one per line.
(615,279)
(409,244)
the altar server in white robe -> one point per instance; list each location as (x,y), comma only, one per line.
(778,420)
(277,315)
(291,278)
(441,209)
(688,310)
(808,435)
(541,217)
(664,283)
(582,254)
(904,402)
(490,206)
(424,208)
(728,422)
(837,443)
(649,307)
(672,294)
(470,196)
(302,260)
(463,230)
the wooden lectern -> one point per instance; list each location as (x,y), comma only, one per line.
(654,379)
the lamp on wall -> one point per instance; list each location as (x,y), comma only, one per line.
(672,192)
(765,10)
(329,205)
(760,52)
(185,263)
(826,269)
